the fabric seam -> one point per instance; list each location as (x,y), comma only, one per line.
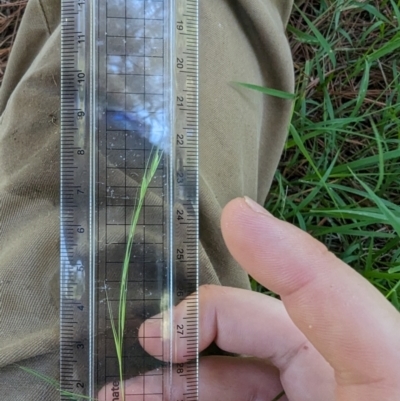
(45,17)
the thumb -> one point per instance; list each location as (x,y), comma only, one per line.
(349,322)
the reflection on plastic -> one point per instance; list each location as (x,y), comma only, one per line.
(75,274)
(148,125)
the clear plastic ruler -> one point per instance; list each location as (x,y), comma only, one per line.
(129,199)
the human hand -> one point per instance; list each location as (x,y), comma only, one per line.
(333,336)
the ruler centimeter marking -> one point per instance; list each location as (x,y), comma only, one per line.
(129,73)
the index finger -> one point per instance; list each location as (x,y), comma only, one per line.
(349,322)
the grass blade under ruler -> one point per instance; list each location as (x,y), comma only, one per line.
(129,197)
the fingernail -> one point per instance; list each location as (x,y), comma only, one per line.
(256,207)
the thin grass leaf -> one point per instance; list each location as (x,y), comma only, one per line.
(363,89)
(306,154)
(303,36)
(382,275)
(360,193)
(337,15)
(317,188)
(369,261)
(268,91)
(381,163)
(323,42)
(393,290)
(371,29)
(302,96)
(55,384)
(387,48)
(49,380)
(118,328)
(346,35)
(395,269)
(279,396)
(395,299)
(396,11)
(328,104)
(387,248)
(319,231)
(366,162)
(393,220)
(375,12)
(369,217)
(114,329)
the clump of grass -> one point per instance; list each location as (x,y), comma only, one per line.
(339,178)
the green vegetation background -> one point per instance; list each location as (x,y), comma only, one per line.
(339,177)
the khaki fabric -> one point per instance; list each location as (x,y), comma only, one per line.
(241,139)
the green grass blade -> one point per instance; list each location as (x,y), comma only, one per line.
(303,36)
(363,89)
(382,275)
(395,269)
(118,328)
(323,42)
(393,290)
(367,162)
(54,383)
(306,154)
(381,163)
(372,10)
(279,396)
(323,182)
(387,48)
(396,11)
(268,91)
(392,219)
